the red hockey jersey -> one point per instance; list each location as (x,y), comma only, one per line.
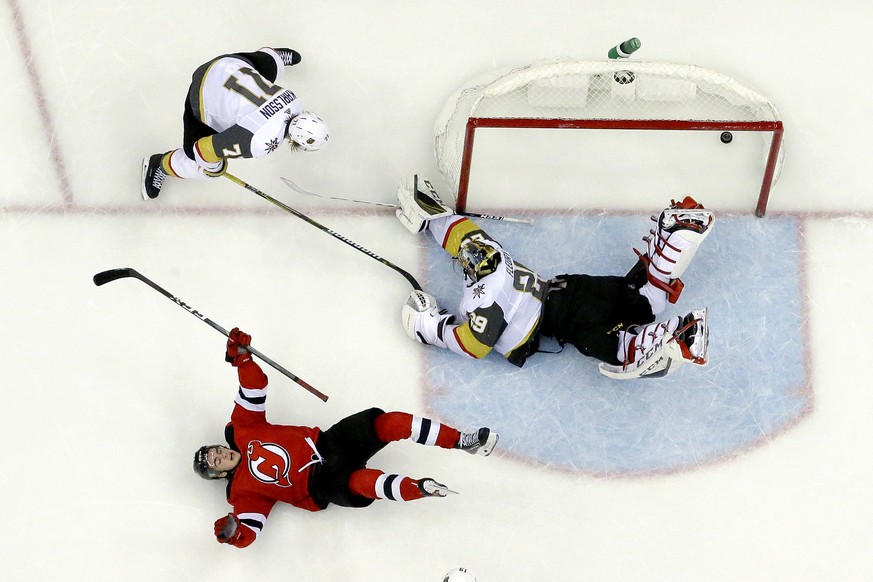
(276,460)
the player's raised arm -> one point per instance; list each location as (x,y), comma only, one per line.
(252,395)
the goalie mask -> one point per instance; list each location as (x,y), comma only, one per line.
(307,132)
(201,463)
(478,258)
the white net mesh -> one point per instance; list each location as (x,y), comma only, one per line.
(614,89)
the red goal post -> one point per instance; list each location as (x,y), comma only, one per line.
(610,95)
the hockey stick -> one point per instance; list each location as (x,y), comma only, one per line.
(300,190)
(114,274)
(323,228)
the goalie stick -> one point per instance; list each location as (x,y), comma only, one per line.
(323,228)
(300,190)
(114,274)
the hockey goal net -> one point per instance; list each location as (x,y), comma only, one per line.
(617,95)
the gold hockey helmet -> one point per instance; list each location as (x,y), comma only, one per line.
(478,258)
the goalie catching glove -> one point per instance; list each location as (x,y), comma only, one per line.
(423,320)
(419,204)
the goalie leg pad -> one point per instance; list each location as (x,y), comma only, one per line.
(681,229)
(659,349)
(662,359)
(419,204)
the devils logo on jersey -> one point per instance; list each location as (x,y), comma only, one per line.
(269,463)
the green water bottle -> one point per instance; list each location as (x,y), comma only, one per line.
(624,50)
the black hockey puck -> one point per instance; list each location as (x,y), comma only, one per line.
(727,137)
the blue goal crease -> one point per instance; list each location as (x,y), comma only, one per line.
(559,411)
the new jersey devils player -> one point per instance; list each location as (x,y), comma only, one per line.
(307,467)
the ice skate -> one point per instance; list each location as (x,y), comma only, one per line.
(153,176)
(694,334)
(481,442)
(430,488)
(289,56)
(688,214)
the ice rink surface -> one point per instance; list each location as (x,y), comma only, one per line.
(754,468)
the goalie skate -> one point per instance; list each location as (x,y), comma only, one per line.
(681,229)
(694,337)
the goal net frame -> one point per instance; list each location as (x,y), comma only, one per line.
(604,95)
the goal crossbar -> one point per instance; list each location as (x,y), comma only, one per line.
(474,123)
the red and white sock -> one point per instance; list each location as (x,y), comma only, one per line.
(375,484)
(395,426)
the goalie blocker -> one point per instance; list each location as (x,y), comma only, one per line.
(423,320)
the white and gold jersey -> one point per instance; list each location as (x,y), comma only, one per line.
(502,309)
(249,112)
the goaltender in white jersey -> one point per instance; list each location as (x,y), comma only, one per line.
(509,306)
(234,109)
(503,308)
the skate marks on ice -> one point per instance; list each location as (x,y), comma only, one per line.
(558,411)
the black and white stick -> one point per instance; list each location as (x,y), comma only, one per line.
(114,274)
(300,190)
(323,228)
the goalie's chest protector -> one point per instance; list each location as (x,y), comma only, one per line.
(517,292)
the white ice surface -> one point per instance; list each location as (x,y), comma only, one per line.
(109,390)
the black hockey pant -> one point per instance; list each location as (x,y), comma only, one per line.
(345,447)
(590,311)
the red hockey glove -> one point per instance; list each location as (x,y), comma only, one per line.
(227,530)
(237,342)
